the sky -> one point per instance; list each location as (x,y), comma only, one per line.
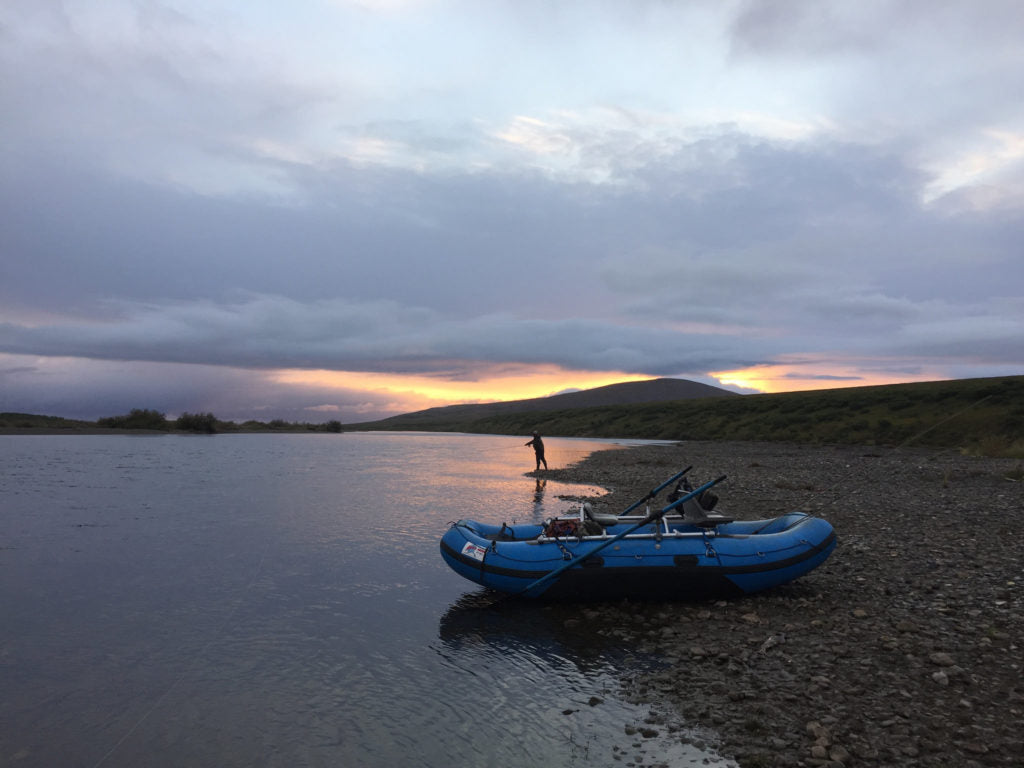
(349,209)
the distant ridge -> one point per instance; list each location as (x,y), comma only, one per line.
(625,393)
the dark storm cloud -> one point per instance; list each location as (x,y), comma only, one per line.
(273,332)
(812,243)
(464,242)
(88,389)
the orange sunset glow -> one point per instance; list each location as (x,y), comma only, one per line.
(412,392)
(797,377)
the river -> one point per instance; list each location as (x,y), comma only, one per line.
(280,600)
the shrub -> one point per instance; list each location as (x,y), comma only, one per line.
(139,418)
(197,422)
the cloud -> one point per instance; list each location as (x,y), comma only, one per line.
(273,332)
(821,377)
(444,187)
(804,29)
(91,389)
(774,247)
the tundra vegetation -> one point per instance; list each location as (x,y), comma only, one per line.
(979,416)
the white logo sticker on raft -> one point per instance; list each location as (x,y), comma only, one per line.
(474,550)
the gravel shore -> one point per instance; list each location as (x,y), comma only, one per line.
(906,648)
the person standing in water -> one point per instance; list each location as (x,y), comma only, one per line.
(538,450)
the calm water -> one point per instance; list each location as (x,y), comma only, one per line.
(279,600)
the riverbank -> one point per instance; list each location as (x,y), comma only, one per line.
(904,649)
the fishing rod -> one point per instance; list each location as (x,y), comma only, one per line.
(655,491)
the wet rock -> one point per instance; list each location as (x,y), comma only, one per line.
(819,733)
(974,747)
(838,754)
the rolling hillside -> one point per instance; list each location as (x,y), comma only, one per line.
(977,415)
(626,393)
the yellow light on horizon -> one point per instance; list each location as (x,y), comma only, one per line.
(414,392)
(800,376)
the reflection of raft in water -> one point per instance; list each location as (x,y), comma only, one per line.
(695,554)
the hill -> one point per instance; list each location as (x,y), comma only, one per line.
(625,393)
(979,415)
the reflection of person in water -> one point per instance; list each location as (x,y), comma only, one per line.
(538,450)
(538,498)
(538,492)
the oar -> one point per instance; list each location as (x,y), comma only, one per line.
(657,514)
(655,491)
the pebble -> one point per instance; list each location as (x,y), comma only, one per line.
(924,671)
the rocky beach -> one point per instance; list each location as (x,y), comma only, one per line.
(906,648)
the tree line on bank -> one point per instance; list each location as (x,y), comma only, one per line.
(205,423)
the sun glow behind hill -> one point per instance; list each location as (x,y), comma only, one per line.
(801,376)
(498,384)
(407,393)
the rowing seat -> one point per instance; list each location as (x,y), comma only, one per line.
(597,517)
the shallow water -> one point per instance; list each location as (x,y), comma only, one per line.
(280,600)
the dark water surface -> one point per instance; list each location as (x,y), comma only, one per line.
(279,600)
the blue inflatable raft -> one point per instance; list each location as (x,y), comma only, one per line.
(682,551)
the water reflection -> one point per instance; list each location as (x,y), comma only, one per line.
(528,650)
(556,633)
(280,600)
(538,498)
